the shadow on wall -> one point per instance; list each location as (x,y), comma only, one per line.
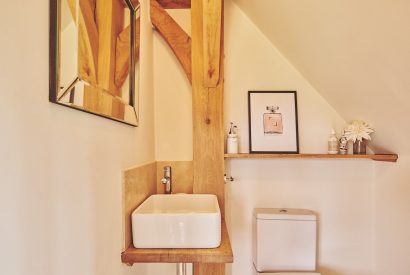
(318,231)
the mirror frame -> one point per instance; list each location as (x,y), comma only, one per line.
(54,44)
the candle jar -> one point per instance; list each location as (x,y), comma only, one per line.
(359,147)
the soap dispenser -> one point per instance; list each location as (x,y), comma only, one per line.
(232,140)
(332,143)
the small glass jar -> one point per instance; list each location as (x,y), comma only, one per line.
(359,147)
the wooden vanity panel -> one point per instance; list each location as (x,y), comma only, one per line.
(138,184)
(206,269)
(182,176)
(212,256)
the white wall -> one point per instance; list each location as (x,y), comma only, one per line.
(60,188)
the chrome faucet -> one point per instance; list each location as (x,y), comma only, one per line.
(167,179)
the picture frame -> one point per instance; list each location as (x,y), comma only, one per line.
(273,122)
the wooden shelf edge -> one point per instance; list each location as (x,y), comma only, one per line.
(376,157)
(222,254)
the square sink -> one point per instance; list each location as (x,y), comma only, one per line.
(177,221)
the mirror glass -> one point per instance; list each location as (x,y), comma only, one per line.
(94,57)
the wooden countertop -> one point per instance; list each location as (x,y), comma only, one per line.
(222,254)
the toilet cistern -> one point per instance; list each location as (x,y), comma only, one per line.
(167,179)
(284,241)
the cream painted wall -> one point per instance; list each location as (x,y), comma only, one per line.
(363,206)
(60,196)
(339,190)
(173,98)
(253,63)
(356,54)
(391,202)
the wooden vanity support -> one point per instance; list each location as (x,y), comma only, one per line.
(209,257)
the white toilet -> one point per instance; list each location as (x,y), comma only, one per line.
(284,241)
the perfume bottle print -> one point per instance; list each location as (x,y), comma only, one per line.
(272,121)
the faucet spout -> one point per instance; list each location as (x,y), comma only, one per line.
(167,179)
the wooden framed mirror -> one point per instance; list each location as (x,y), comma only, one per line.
(94,57)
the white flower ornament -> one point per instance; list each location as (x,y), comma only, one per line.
(358,130)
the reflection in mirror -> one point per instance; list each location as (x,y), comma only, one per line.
(94,54)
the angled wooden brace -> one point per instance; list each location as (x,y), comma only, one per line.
(174,35)
(175,4)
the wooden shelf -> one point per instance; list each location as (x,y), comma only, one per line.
(376,157)
(222,254)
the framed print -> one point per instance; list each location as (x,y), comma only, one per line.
(273,122)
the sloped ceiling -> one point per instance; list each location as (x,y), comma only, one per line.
(355,53)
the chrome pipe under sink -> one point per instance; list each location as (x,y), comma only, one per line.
(181,269)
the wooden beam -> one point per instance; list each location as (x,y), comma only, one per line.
(72,5)
(174,35)
(122,53)
(110,22)
(204,268)
(135,3)
(207,105)
(87,43)
(90,100)
(175,4)
(212,41)
(103,103)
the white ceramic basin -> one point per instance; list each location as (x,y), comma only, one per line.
(177,221)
